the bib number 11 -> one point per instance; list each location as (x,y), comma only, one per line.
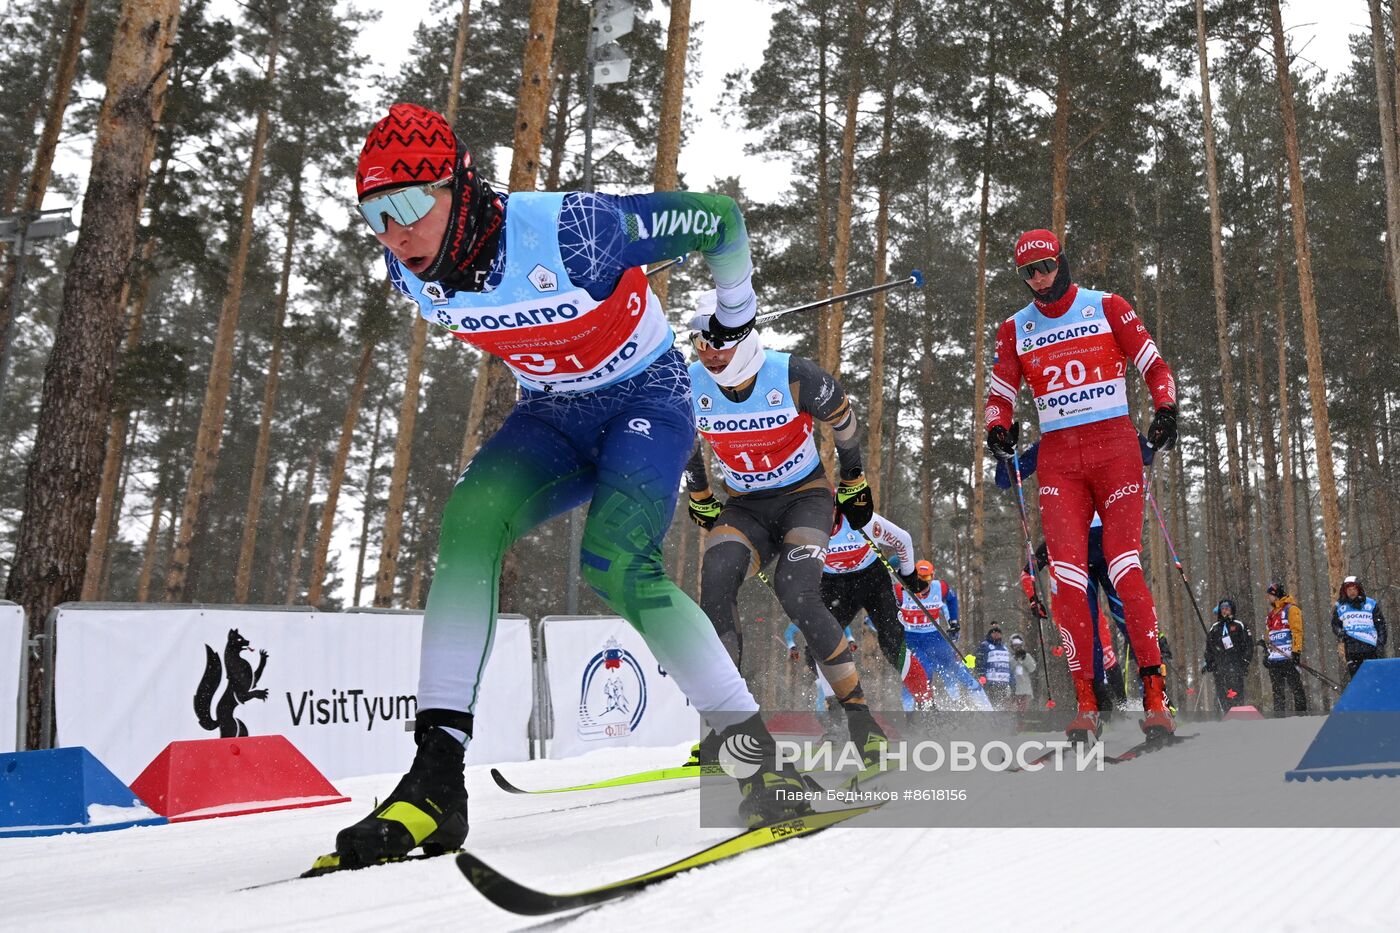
(748,461)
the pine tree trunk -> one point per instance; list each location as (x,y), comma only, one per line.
(337,476)
(1059,144)
(1215,548)
(486,368)
(1253,423)
(1163,583)
(243,578)
(926,459)
(958,550)
(1181,517)
(1269,517)
(532,97)
(148,559)
(823,212)
(1382,506)
(493,381)
(135,294)
(388,571)
(107,510)
(459,53)
(415,587)
(668,135)
(559,142)
(272,585)
(14,174)
(367,508)
(1236,521)
(64,469)
(882,236)
(891,433)
(845,195)
(1311,533)
(104,566)
(209,437)
(48,145)
(388,568)
(978,564)
(299,545)
(1288,508)
(531,114)
(1395,99)
(1385,100)
(1317,379)
(1355,532)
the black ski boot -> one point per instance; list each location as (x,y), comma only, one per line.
(428,808)
(705,753)
(771,793)
(870,740)
(1104,695)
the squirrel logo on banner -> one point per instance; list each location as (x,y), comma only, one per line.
(242,686)
(613,697)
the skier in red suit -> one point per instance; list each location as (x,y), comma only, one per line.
(1073,347)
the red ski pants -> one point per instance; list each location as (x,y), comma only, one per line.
(1095,467)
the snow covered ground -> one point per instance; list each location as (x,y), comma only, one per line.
(189,876)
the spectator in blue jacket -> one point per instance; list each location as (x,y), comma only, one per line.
(1359,625)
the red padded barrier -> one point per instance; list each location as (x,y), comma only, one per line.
(208,778)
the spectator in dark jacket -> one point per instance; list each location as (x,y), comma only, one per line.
(1229,650)
(993,667)
(1359,625)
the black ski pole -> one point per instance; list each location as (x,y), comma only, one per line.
(1304,666)
(914,278)
(665,264)
(1030,565)
(894,573)
(1161,523)
(1336,687)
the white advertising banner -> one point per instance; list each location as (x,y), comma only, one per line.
(11,653)
(606,689)
(340,686)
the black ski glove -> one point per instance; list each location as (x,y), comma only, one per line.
(1001,443)
(705,512)
(1161,434)
(854,501)
(911,582)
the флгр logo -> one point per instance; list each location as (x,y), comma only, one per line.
(613,694)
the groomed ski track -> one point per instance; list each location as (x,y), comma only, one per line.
(188,876)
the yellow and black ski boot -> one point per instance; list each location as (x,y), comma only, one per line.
(771,794)
(427,809)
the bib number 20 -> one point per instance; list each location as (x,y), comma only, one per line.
(1073,373)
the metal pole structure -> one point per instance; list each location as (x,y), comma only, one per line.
(592,93)
(571,591)
(21,229)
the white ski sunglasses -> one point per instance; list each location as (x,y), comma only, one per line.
(406,206)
